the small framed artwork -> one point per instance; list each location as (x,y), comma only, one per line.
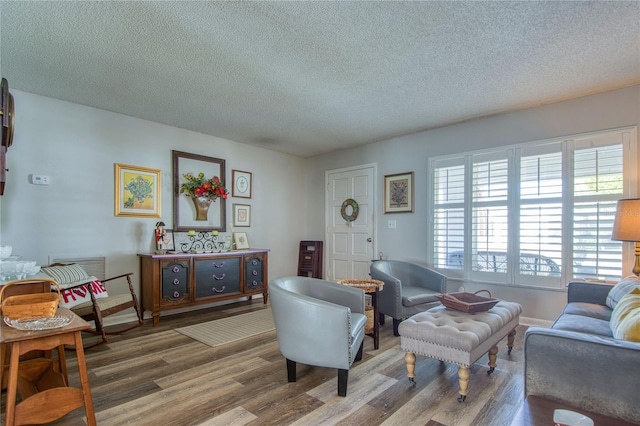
(137,191)
(398,193)
(241,184)
(240,241)
(241,215)
(167,241)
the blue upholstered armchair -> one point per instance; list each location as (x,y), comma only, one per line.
(318,323)
(408,289)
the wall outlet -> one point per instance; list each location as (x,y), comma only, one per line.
(391,224)
(40,179)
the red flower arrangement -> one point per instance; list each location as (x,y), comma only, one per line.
(198,186)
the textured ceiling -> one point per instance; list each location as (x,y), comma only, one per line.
(312,77)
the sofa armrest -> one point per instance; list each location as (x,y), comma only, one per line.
(583,291)
(588,372)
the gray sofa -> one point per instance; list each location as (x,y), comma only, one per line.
(578,361)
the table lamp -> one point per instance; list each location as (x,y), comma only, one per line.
(626,226)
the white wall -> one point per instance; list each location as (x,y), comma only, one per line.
(410,153)
(77,146)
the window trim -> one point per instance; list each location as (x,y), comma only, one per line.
(568,146)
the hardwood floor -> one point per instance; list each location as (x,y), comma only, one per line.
(156,376)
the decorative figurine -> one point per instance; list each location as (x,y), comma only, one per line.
(161,242)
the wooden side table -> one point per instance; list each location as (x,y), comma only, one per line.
(371,287)
(49,397)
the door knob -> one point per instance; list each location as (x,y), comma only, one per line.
(369,240)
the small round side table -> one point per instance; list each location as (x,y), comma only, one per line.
(371,287)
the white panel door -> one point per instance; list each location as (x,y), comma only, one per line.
(350,244)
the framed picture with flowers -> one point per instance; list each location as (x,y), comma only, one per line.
(398,193)
(199,193)
(137,191)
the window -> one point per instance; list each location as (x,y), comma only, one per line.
(537,214)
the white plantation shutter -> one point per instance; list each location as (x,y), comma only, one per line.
(448,187)
(536,214)
(597,185)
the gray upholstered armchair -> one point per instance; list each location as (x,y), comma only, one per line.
(318,323)
(408,289)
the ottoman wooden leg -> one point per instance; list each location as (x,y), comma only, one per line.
(410,359)
(463,379)
(510,338)
(493,355)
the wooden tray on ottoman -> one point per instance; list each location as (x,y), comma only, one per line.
(468,302)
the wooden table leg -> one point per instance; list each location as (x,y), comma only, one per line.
(12,386)
(410,360)
(84,381)
(463,379)
(493,355)
(510,338)
(376,324)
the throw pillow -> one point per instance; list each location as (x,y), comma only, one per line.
(625,319)
(621,289)
(68,275)
(70,297)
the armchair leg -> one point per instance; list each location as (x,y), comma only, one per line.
(343,378)
(291,370)
(359,354)
(396,323)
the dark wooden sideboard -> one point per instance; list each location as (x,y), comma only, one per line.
(180,280)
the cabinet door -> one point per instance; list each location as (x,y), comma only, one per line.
(254,272)
(217,277)
(175,280)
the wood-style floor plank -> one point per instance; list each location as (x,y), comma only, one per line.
(157,376)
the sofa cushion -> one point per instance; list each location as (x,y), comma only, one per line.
(621,289)
(412,295)
(588,310)
(582,324)
(68,275)
(625,320)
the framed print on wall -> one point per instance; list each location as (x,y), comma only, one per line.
(193,212)
(241,241)
(241,215)
(398,193)
(241,184)
(137,191)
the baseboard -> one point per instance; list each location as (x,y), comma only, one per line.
(535,322)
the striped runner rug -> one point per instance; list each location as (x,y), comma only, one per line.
(231,329)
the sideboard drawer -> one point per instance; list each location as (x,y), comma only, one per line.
(215,277)
(175,281)
(254,272)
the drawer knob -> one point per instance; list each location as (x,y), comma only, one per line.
(215,290)
(254,262)
(176,294)
(176,281)
(254,273)
(175,269)
(219,278)
(218,265)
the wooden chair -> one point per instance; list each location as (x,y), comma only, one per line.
(98,308)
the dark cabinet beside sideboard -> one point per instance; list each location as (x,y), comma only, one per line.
(173,281)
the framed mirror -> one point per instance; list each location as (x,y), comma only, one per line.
(204,179)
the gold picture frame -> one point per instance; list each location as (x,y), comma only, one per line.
(137,191)
(398,193)
(240,241)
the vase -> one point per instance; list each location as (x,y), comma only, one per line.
(202,207)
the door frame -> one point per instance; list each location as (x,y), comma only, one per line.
(328,212)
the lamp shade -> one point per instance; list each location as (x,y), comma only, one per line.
(626,226)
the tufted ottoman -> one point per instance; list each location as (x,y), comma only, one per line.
(458,337)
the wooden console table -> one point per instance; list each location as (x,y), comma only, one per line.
(179,280)
(46,395)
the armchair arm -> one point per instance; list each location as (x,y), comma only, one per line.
(583,291)
(390,300)
(585,371)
